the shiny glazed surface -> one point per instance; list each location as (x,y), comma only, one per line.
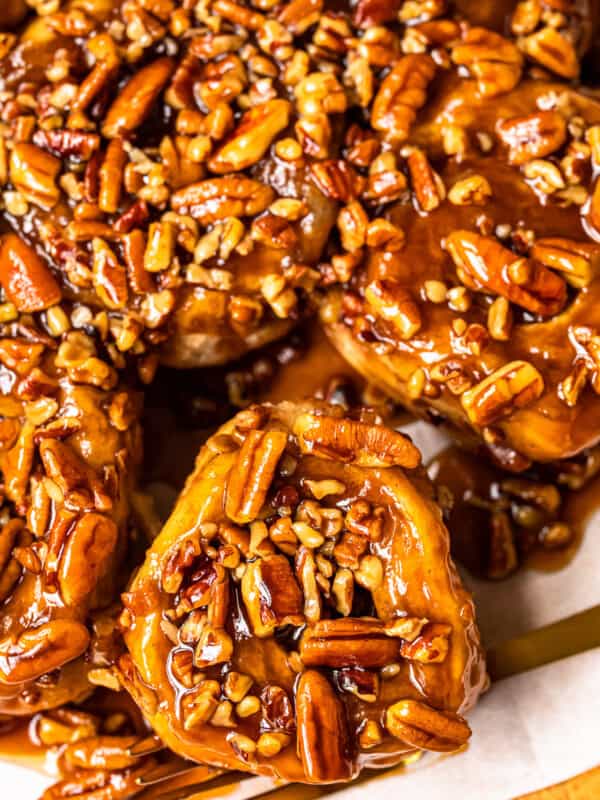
(273,607)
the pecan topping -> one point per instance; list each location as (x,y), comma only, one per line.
(401,94)
(252,474)
(348,642)
(256,130)
(356,442)
(322,733)
(136,98)
(485,265)
(25,278)
(509,388)
(422,726)
(534,136)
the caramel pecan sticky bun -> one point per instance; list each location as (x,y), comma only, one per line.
(161,163)
(177,163)
(299,615)
(471,235)
(68,446)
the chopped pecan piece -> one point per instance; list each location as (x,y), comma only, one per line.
(348,642)
(485,265)
(252,474)
(323,744)
(25,278)
(271,595)
(509,388)
(430,646)
(395,305)
(356,442)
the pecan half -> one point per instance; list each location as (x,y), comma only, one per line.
(356,442)
(218,198)
(402,93)
(579,262)
(65,143)
(509,388)
(348,642)
(250,140)
(85,557)
(336,179)
(426,728)
(33,173)
(136,98)
(252,474)
(485,265)
(322,730)
(368,13)
(41,650)
(271,595)
(552,50)
(494,62)
(25,278)
(532,136)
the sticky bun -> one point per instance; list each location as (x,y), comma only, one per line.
(151,163)
(299,615)
(69,443)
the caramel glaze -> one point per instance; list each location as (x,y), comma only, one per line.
(201,331)
(419,579)
(20,742)
(90,447)
(546,429)
(476,488)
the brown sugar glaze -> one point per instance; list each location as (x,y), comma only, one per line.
(498,524)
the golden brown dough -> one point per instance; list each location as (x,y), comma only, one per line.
(299,614)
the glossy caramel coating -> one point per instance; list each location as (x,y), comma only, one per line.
(178,168)
(68,456)
(552,426)
(253,618)
(133,198)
